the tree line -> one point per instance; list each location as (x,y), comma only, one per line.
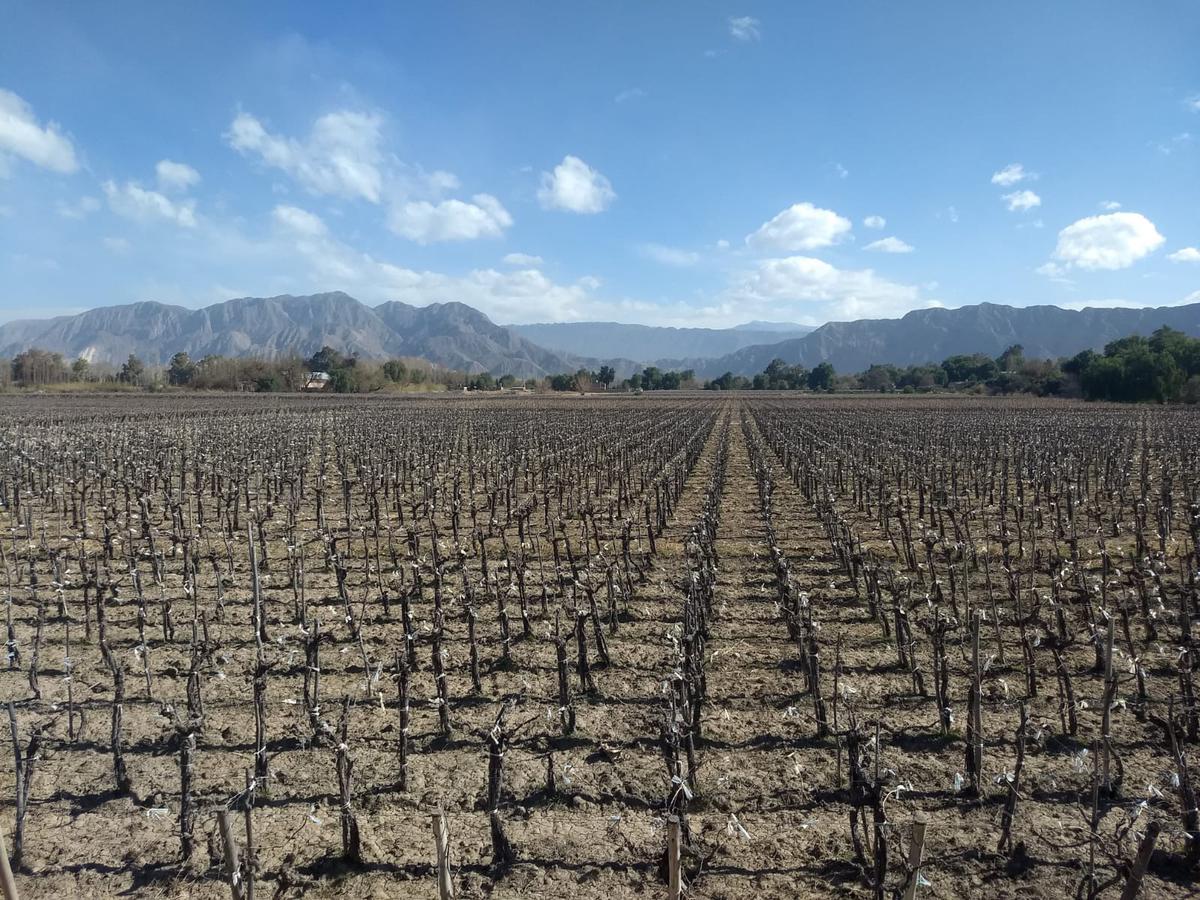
(1162,368)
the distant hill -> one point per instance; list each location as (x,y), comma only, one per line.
(448,334)
(930,335)
(651,344)
(775,327)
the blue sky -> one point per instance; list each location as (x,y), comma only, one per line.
(679,163)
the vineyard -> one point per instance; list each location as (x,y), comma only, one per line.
(704,646)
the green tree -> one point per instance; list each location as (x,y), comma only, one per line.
(132,370)
(81,369)
(181,370)
(327,360)
(1010,360)
(395,370)
(606,375)
(821,378)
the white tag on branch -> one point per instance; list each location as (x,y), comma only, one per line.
(734,828)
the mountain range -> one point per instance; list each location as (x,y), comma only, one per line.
(457,336)
(453,335)
(931,335)
(655,345)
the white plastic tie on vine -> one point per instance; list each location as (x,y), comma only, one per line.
(734,828)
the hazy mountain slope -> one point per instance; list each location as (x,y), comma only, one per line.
(933,334)
(649,343)
(461,337)
(790,328)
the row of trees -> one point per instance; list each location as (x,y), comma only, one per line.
(347,374)
(651,378)
(1163,368)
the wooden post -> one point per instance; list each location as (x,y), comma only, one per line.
(916,851)
(674,880)
(8,884)
(232,869)
(248,875)
(441,839)
(1145,851)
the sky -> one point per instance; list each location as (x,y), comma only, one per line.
(683,163)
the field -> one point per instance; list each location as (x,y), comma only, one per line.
(793,632)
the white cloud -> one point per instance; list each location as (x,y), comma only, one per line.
(1193,103)
(576,187)
(1110,205)
(633,93)
(669,256)
(524,295)
(1020,201)
(1055,273)
(722,244)
(524,260)
(1111,241)
(840,170)
(745,28)
(793,284)
(81,209)
(133,201)
(1183,139)
(21,135)
(1011,174)
(874,222)
(300,221)
(801,226)
(890,245)
(450,220)
(341,155)
(175,176)
(1185,254)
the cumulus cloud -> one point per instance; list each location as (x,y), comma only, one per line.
(525,295)
(299,221)
(889,245)
(745,28)
(669,256)
(450,220)
(1011,174)
(804,286)
(574,186)
(525,260)
(341,155)
(1193,103)
(133,201)
(875,222)
(22,135)
(801,226)
(1020,201)
(1185,254)
(1112,241)
(175,176)
(1110,205)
